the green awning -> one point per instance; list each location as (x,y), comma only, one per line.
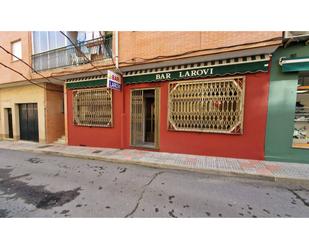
(295,64)
(88,82)
(233,66)
(243,65)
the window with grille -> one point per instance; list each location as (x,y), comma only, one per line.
(93,107)
(214,105)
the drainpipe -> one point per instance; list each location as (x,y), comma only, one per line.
(116,50)
(122,133)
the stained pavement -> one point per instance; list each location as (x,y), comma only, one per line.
(40,185)
(273,171)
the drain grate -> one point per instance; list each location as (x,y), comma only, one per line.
(44,146)
(97,151)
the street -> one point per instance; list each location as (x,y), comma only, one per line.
(40,185)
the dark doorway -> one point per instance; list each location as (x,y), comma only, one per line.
(149,115)
(28,122)
(10,122)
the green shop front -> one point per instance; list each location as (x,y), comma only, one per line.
(287,135)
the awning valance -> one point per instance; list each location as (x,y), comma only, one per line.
(86,82)
(298,64)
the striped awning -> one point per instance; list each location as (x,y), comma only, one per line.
(87,82)
(233,66)
(242,65)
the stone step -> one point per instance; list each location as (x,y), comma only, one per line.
(60,140)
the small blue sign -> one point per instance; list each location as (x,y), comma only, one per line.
(113,85)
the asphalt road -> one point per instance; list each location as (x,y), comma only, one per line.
(39,185)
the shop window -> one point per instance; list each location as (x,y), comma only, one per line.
(214,105)
(301,120)
(93,107)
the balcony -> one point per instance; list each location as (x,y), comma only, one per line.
(93,50)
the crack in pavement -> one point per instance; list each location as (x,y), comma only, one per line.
(14,178)
(142,193)
(303,200)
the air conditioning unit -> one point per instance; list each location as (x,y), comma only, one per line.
(296,34)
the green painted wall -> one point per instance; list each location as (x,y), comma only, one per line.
(281,109)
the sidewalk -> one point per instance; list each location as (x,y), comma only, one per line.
(273,171)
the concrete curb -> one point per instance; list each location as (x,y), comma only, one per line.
(172,166)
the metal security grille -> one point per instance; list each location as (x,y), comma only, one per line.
(93,107)
(207,105)
(137,117)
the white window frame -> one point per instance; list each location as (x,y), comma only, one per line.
(66,42)
(20,55)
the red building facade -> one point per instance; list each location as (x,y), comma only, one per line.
(163,109)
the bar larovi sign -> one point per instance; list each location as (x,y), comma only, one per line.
(185,74)
(113,80)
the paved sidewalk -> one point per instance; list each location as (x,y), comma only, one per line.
(274,171)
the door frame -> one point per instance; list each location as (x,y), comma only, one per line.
(7,123)
(37,132)
(157,101)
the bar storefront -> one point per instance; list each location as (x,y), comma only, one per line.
(215,108)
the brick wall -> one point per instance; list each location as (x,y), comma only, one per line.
(6,38)
(152,44)
(54,113)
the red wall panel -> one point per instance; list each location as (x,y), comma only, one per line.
(248,145)
(96,136)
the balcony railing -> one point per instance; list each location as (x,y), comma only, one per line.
(96,49)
